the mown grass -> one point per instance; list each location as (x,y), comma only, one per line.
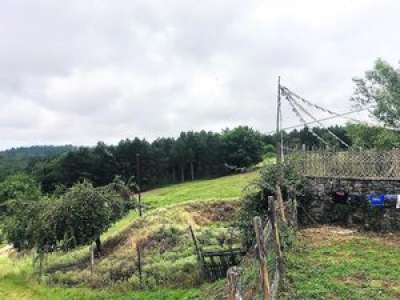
(17,288)
(357,266)
(228,187)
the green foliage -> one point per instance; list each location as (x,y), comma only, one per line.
(22,222)
(255,200)
(77,218)
(298,138)
(19,207)
(193,155)
(83,214)
(269,151)
(380,87)
(21,187)
(17,160)
(366,137)
(243,146)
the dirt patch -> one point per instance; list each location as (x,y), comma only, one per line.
(326,235)
(7,250)
(204,214)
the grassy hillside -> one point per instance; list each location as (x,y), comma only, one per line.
(228,187)
(160,224)
(337,263)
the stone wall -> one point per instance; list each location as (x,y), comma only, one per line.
(345,201)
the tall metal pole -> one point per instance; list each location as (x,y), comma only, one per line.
(279,136)
(278,123)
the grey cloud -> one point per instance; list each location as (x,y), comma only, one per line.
(82,71)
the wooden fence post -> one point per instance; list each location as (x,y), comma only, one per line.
(198,252)
(91,249)
(139,257)
(235,292)
(281,205)
(293,208)
(280,268)
(40,265)
(262,257)
(139,183)
(275,227)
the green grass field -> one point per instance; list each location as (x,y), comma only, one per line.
(224,188)
(16,275)
(337,263)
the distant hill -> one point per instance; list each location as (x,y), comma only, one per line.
(35,151)
(16,160)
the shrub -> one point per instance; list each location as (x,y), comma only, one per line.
(255,201)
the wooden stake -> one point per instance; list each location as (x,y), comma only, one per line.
(40,265)
(233,276)
(139,257)
(91,249)
(295,222)
(281,205)
(280,267)
(139,182)
(196,245)
(275,226)
(262,257)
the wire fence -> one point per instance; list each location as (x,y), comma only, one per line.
(368,164)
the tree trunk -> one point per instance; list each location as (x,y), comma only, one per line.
(173,175)
(192,170)
(98,247)
(182,173)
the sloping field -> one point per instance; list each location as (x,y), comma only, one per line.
(337,263)
(15,274)
(223,188)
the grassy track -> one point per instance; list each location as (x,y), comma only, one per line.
(15,276)
(335,263)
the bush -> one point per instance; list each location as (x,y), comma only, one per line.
(255,201)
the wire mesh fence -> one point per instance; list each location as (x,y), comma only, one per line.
(368,164)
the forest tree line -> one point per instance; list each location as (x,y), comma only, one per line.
(193,155)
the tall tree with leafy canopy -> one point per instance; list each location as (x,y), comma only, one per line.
(243,146)
(380,88)
(19,186)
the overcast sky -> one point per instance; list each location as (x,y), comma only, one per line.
(76,72)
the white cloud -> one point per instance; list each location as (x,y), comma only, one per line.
(82,71)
